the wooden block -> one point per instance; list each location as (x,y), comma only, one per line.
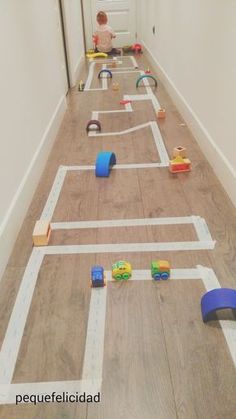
(161,113)
(179,164)
(179,151)
(81,86)
(115,86)
(41,233)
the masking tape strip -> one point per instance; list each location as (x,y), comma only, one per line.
(128,247)
(145,275)
(94,347)
(124,223)
(16,325)
(54,194)
(124,132)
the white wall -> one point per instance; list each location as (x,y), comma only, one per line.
(33,86)
(74,37)
(194,50)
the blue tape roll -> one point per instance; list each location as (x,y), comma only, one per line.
(217,299)
(105,161)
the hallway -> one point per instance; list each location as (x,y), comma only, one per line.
(160,360)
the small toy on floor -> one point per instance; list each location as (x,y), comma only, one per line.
(127,48)
(179,151)
(161,113)
(179,164)
(216,300)
(97,277)
(125,101)
(97,55)
(115,86)
(41,233)
(104,163)
(137,48)
(105,71)
(93,125)
(81,86)
(121,270)
(146,76)
(160,269)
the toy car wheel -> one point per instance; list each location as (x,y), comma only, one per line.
(156,277)
(118,277)
(164,275)
(126,275)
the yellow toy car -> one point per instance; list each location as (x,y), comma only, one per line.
(121,270)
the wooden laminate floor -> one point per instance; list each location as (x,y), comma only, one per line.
(160,360)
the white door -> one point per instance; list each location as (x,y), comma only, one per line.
(121,17)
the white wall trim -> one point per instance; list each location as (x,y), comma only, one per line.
(16,212)
(220,164)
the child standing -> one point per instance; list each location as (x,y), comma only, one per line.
(103,36)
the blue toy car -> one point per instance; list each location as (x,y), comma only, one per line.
(97,276)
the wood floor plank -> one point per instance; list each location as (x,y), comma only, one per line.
(119,196)
(214,205)
(160,360)
(136,378)
(201,368)
(78,199)
(52,348)
(162,195)
(44,411)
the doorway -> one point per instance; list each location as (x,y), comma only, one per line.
(121,17)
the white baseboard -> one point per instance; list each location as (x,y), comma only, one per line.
(76,71)
(14,217)
(220,164)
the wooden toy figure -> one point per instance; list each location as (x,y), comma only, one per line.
(179,151)
(81,86)
(115,86)
(161,113)
(179,164)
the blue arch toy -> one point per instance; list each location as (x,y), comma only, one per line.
(105,161)
(217,299)
(146,76)
(104,70)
